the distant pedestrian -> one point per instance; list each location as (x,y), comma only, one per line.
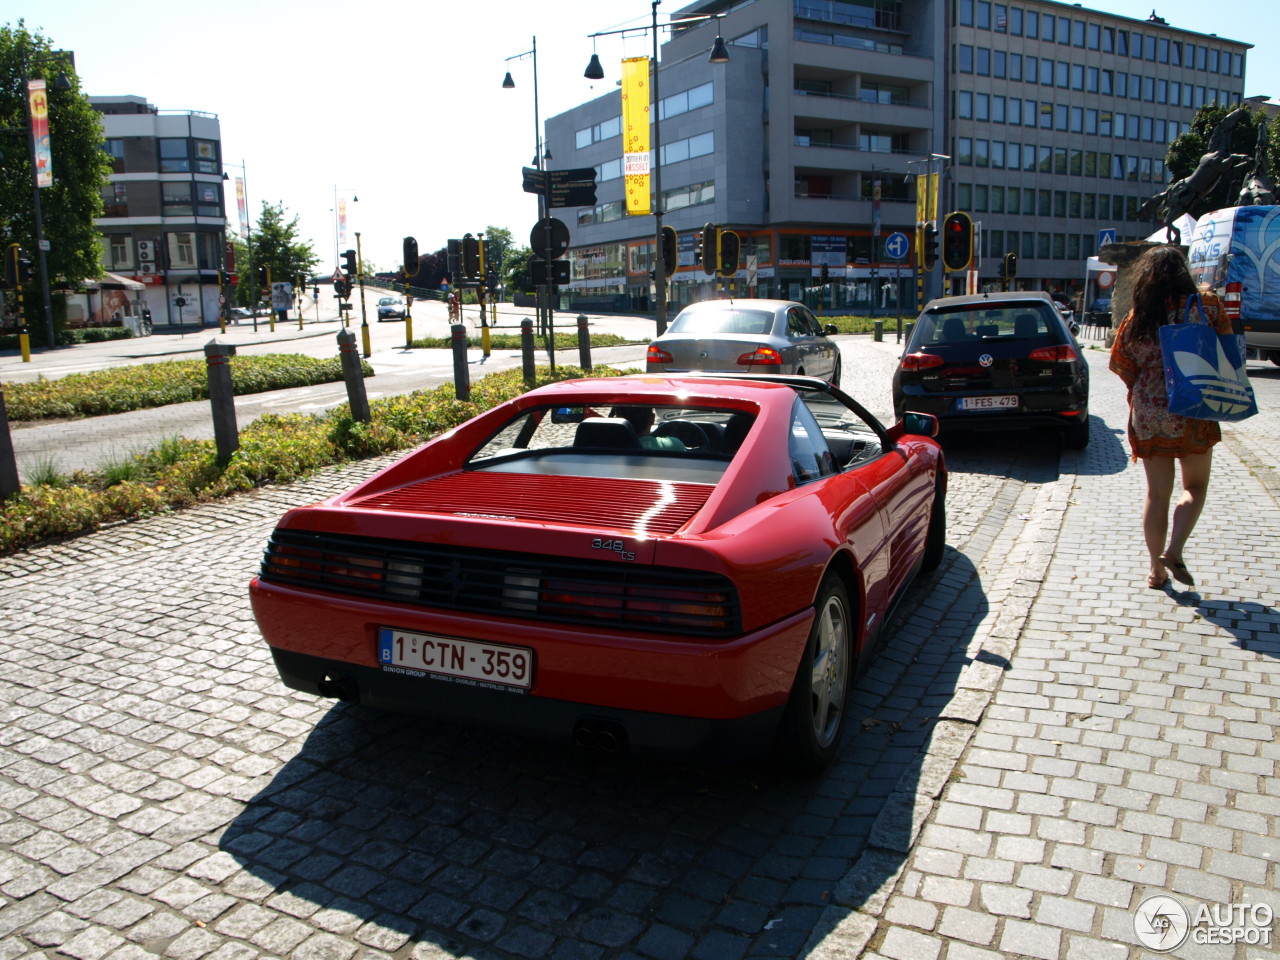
(1161,284)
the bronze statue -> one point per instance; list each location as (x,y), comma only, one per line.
(1258,189)
(1217,162)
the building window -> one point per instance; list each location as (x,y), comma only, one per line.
(690,196)
(208,200)
(982,106)
(176,198)
(699,146)
(683,102)
(1015,21)
(182,251)
(1046,72)
(997,153)
(115,200)
(1011,200)
(964,105)
(997,109)
(1015,110)
(964,151)
(981,153)
(964,196)
(964,12)
(984,15)
(997,199)
(604,130)
(119,252)
(1077,33)
(983,65)
(1108,39)
(206,156)
(1015,66)
(174,156)
(115,150)
(964,60)
(1033,24)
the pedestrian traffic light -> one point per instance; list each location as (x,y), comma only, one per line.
(470,257)
(929,253)
(349,262)
(410,257)
(957,241)
(670,251)
(730,248)
(710,249)
(1010,265)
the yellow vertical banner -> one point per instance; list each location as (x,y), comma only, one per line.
(635,133)
(933,196)
(922,197)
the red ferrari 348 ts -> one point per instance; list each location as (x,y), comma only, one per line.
(694,565)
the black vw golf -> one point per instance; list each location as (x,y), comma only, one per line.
(996,361)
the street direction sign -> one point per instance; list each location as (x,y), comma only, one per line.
(549,238)
(559,271)
(562,188)
(572,195)
(897,245)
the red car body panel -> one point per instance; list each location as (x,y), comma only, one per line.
(772,539)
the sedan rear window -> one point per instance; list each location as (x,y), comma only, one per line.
(703,322)
(983,323)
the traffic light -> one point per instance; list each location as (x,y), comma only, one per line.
(930,251)
(470,257)
(730,248)
(341,288)
(410,257)
(349,262)
(957,241)
(454,255)
(262,276)
(670,251)
(824,274)
(710,249)
(17,265)
(1010,265)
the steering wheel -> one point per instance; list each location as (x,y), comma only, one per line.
(690,434)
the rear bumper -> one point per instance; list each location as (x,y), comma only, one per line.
(608,729)
(1053,411)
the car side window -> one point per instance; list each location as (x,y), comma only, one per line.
(795,324)
(815,328)
(811,458)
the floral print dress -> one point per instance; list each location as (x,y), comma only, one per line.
(1153,430)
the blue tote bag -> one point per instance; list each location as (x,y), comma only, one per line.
(1204,372)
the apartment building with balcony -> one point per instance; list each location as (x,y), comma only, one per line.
(1054,120)
(164,220)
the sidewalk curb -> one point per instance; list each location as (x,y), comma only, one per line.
(859,899)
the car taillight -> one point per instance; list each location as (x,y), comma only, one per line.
(760,356)
(657,355)
(1062,351)
(1231,300)
(921,361)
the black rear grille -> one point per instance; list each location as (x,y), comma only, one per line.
(521,585)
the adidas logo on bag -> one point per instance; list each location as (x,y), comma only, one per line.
(1221,391)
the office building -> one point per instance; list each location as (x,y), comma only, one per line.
(164,220)
(1049,122)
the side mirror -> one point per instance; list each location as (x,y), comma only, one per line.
(830,329)
(920,424)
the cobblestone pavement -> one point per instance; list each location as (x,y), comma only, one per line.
(1039,742)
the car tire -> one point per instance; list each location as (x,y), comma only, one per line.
(814,720)
(1076,436)
(935,539)
(836,373)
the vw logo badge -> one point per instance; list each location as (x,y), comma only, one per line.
(702,355)
(986,360)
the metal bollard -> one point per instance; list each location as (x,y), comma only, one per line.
(222,400)
(906,331)
(526,352)
(461,373)
(9,483)
(878,333)
(353,374)
(584,343)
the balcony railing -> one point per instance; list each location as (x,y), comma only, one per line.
(863,98)
(870,16)
(801,141)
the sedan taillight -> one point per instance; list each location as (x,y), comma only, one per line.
(1062,351)
(921,361)
(760,356)
(657,355)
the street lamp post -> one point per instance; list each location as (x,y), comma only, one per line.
(719,54)
(30,86)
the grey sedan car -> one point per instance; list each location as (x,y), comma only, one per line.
(747,336)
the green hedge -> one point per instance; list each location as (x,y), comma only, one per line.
(273,449)
(121,389)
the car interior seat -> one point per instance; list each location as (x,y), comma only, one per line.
(1026,325)
(610,433)
(953,330)
(736,430)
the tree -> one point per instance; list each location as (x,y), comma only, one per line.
(80,167)
(497,241)
(276,247)
(519,275)
(1186,149)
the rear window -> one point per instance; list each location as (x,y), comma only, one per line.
(703,321)
(983,323)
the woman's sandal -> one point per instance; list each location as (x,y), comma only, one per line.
(1179,570)
(1157,583)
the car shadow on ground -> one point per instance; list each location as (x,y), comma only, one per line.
(394,829)
(969,451)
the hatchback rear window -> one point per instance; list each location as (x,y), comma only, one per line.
(982,323)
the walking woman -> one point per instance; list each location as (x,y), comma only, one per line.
(1161,284)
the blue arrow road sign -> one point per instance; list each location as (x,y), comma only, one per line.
(896,246)
(1106,236)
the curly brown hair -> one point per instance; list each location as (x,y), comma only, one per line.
(1162,282)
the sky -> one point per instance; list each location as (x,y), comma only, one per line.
(399,108)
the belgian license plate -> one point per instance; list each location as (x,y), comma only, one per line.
(484,663)
(988,403)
